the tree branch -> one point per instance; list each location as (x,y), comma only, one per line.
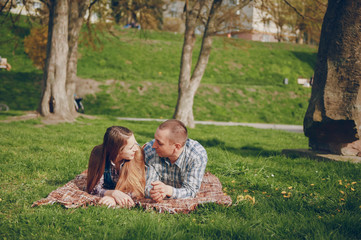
(46,3)
(92,3)
(6,3)
(295,9)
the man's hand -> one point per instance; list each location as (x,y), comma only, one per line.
(108,201)
(121,198)
(160,191)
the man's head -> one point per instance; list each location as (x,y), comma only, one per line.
(170,138)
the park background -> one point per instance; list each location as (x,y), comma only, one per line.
(132,73)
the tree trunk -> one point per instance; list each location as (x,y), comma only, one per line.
(183,110)
(333,118)
(188,85)
(54,102)
(187,93)
(77,10)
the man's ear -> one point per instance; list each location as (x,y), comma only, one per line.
(178,146)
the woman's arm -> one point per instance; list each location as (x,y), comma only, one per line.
(99,190)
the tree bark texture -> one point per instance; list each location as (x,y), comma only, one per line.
(54,101)
(184,109)
(77,10)
(333,118)
(59,80)
(188,83)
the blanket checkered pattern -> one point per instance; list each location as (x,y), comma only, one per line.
(73,195)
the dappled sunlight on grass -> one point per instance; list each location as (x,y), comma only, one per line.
(242,83)
(272,195)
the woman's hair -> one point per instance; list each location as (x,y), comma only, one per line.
(132,175)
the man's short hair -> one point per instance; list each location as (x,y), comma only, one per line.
(178,131)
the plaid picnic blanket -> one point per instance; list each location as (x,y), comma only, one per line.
(73,195)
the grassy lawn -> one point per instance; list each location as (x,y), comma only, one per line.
(294,198)
(321,199)
(242,82)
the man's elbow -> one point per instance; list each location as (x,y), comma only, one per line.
(147,192)
(192,193)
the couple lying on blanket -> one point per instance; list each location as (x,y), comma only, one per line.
(171,166)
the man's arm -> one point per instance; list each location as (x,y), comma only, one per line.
(192,179)
(152,176)
(160,191)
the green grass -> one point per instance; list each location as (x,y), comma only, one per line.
(36,159)
(242,82)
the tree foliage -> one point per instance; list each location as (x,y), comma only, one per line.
(35,45)
(147,13)
(303,18)
(278,12)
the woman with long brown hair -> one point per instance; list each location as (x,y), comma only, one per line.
(116,168)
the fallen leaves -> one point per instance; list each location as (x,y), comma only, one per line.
(286,195)
(246,198)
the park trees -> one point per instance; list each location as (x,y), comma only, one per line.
(213,16)
(65,21)
(147,13)
(308,23)
(333,118)
(276,11)
(304,18)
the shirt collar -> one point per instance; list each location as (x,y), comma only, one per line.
(181,161)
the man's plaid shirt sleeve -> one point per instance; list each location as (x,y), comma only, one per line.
(193,175)
(151,174)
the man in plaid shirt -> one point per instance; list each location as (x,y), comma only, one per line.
(175,164)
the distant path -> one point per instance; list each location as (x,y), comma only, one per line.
(289,128)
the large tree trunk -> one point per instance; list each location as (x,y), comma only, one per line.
(188,85)
(77,10)
(333,118)
(183,109)
(54,103)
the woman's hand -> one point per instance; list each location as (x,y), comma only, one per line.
(108,201)
(121,198)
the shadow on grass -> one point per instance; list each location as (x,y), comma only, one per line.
(20,90)
(20,31)
(10,113)
(309,58)
(245,151)
(56,182)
